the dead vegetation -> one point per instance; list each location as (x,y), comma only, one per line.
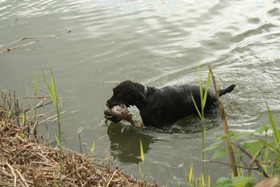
(25,162)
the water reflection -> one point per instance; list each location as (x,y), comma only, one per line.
(125,139)
(125,142)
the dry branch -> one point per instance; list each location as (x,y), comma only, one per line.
(225,125)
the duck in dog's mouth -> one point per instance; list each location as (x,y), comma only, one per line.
(118,113)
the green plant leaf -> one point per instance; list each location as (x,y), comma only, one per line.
(195,105)
(52,92)
(200,89)
(272,148)
(263,129)
(47,83)
(92,148)
(23,118)
(53,89)
(206,90)
(226,136)
(10,113)
(267,144)
(241,134)
(243,182)
(35,95)
(273,124)
(201,92)
(223,182)
(190,174)
(142,151)
(219,153)
(202,180)
(254,146)
(214,145)
(58,141)
(35,84)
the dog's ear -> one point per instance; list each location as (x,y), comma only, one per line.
(142,96)
(139,96)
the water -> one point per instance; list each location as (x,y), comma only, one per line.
(156,43)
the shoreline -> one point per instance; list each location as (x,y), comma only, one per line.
(25,162)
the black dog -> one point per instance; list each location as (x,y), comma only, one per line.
(162,106)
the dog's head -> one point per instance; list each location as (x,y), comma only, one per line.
(127,93)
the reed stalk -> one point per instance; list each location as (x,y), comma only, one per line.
(200,111)
(80,139)
(225,126)
(35,97)
(53,93)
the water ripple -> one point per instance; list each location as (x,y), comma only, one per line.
(155,42)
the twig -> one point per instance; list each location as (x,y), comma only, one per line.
(111,178)
(225,125)
(39,105)
(26,38)
(224,163)
(29,43)
(13,172)
(22,178)
(34,129)
(101,175)
(253,160)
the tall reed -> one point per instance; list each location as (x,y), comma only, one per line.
(35,97)
(200,110)
(52,92)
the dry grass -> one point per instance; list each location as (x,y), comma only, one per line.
(24,162)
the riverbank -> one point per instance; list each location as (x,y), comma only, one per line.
(25,162)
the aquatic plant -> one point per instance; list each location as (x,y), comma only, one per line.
(53,94)
(200,110)
(259,154)
(258,151)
